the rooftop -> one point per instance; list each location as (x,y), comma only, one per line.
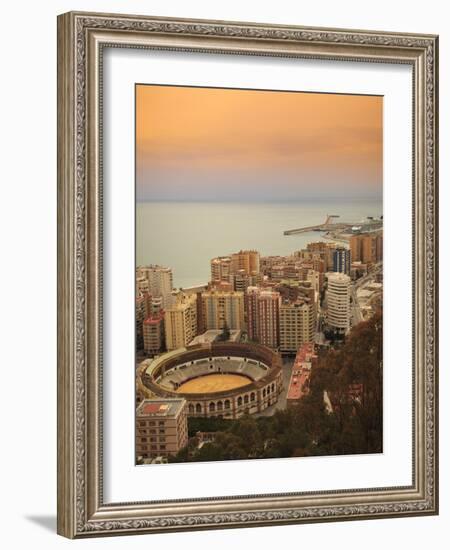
(298,384)
(212,335)
(195,288)
(154,319)
(153,267)
(301,371)
(337,277)
(305,354)
(160,408)
(298,302)
(222,293)
(263,292)
(374,286)
(363,293)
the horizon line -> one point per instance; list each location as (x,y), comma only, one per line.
(264,201)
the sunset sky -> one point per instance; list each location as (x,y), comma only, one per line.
(206,144)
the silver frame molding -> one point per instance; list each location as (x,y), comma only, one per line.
(81,39)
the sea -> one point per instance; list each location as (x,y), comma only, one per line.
(186,235)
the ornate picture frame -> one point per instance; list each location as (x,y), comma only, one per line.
(82,38)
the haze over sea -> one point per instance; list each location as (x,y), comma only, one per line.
(187,235)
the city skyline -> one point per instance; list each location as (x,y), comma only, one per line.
(212,144)
(259,274)
(248,349)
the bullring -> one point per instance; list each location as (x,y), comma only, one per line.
(223,379)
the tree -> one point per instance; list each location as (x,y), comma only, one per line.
(226,446)
(357,362)
(225,334)
(308,429)
(248,433)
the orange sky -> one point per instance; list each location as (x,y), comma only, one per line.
(292,143)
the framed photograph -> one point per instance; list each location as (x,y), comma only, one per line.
(247,287)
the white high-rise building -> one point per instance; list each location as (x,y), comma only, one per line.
(142,286)
(338,301)
(221,268)
(160,282)
(180,321)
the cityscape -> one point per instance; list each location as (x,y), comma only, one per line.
(259,274)
(246,344)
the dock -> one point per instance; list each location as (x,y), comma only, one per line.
(330,225)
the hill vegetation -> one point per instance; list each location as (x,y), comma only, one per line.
(353,426)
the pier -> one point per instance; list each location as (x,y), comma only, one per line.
(331,225)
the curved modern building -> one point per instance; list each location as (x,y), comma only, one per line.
(220,379)
(338,301)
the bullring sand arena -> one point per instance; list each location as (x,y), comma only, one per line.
(220,379)
(214,383)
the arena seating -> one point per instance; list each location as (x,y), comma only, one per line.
(176,376)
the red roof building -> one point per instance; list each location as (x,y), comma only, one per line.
(301,372)
(153,333)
